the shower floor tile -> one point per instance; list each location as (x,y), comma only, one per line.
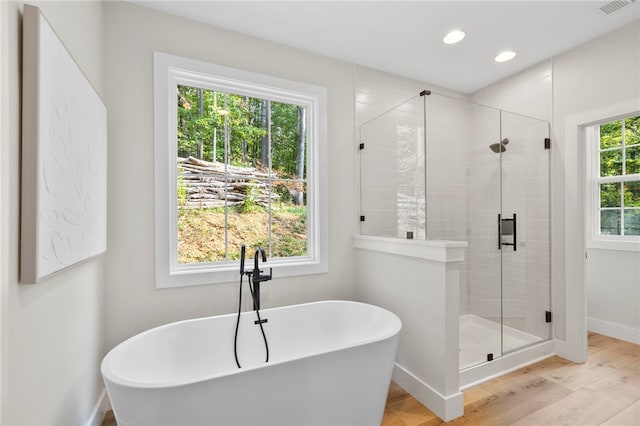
(479,337)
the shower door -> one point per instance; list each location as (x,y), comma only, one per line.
(524,231)
(508,293)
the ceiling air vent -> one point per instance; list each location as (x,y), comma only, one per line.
(614,6)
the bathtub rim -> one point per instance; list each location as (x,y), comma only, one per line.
(108,374)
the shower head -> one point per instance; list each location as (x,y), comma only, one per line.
(497,147)
(500,146)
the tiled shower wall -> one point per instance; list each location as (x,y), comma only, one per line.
(526,273)
(448,137)
(525,290)
(397,134)
(507,283)
(484,199)
(463,183)
(392,172)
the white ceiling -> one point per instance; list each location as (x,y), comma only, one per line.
(405,37)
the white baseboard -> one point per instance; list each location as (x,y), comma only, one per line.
(100,409)
(447,408)
(611,329)
(560,348)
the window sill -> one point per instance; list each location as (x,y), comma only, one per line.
(202,276)
(614,245)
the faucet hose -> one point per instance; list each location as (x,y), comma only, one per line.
(260,321)
(235,338)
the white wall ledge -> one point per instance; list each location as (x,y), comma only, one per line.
(434,250)
(620,245)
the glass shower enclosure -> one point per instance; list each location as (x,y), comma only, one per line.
(443,168)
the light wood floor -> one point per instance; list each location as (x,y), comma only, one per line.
(603,391)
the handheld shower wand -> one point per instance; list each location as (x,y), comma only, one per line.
(243,252)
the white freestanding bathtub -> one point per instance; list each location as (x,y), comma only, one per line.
(330,364)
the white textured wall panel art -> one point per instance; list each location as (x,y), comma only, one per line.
(64,157)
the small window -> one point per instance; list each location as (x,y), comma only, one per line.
(240,159)
(615,171)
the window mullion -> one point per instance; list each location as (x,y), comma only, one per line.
(269,188)
(624,172)
(621,208)
(226,179)
(624,153)
(618,178)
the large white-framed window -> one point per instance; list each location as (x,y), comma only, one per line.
(240,158)
(613,172)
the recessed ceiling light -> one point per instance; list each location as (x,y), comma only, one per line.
(454,37)
(505,56)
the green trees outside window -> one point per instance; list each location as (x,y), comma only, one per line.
(619,176)
(241,175)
